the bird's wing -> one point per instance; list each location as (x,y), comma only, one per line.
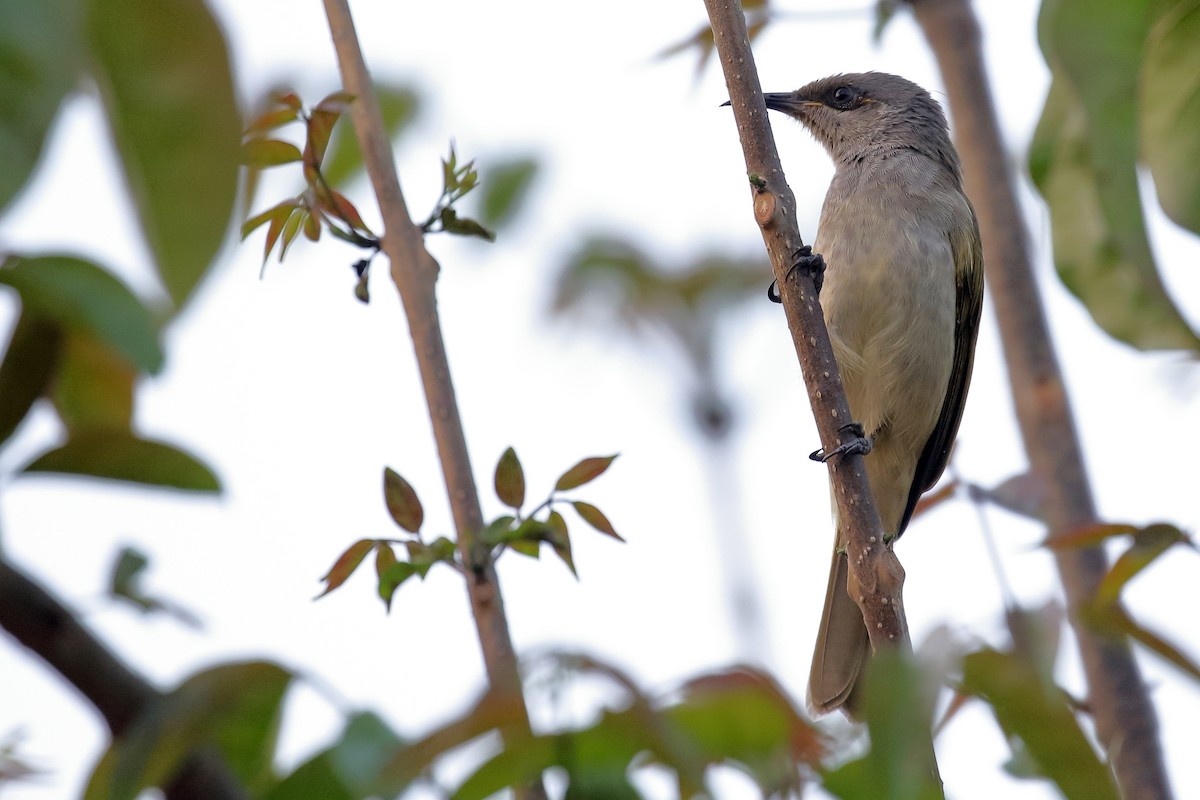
(967,251)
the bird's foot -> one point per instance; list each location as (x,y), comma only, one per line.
(804,259)
(858,443)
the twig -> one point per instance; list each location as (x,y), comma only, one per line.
(414,271)
(875,576)
(1125,719)
(33,617)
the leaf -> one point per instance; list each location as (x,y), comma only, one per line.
(1113,620)
(560,539)
(291,229)
(164,75)
(1021,494)
(366,746)
(594,517)
(742,716)
(80,295)
(1148,544)
(345,565)
(1083,160)
(271,119)
(39,65)
(510,480)
(899,710)
(94,385)
(120,455)
(398,105)
(402,501)
(505,188)
(235,707)
(315,779)
(585,471)
(395,574)
(1036,712)
(1086,536)
(1169,110)
(385,559)
(269,153)
(29,363)
(319,128)
(462,226)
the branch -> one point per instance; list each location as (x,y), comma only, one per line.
(39,622)
(414,271)
(1125,720)
(876,578)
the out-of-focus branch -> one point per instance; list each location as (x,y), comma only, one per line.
(875,579)
(1125,720)
(43,625)
(414,271)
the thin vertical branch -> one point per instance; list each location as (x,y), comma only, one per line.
(414,271)
(876,578)
(1125,720)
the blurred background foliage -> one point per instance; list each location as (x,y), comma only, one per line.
(1122,122)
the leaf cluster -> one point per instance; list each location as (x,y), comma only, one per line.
(522,533)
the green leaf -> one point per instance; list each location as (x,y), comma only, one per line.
(396,573)
(367,745)
(742,716)
(1084,161)
(164,75)
(505,187)
(80,295)
(398,106)
(1169,110)
(315,779)
(899,710)
(127,571)
(235,707)
(1036,712)
(94,387)
(510,480)
(1148,544)
(402,501)
(595,517)
(345,565)
(120,455)
(39,65)
(585,471)
(269,153)
(29,363)
(462,226)
(272,119)
(290,230)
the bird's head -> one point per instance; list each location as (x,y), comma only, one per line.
(855,114)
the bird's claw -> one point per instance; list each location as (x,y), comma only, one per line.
(858,443)
(810,263)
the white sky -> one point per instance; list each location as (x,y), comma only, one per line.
(298,395)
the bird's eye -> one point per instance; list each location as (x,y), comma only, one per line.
(843,96)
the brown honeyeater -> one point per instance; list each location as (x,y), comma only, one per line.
(902,294)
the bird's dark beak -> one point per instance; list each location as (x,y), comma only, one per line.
(788,102)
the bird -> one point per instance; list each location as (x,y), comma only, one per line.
(902,295)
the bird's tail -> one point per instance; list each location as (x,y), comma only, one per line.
(842,647)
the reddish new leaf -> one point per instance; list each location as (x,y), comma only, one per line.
(345,565)
(560,540)
(585,471)
(272,119)
(402,501)
(312,228)
(594,517)
(289,99)
(1087,536)
(510,480)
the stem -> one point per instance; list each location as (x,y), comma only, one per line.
(876,579)
(1125,719)
(33,617)
(414,271)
